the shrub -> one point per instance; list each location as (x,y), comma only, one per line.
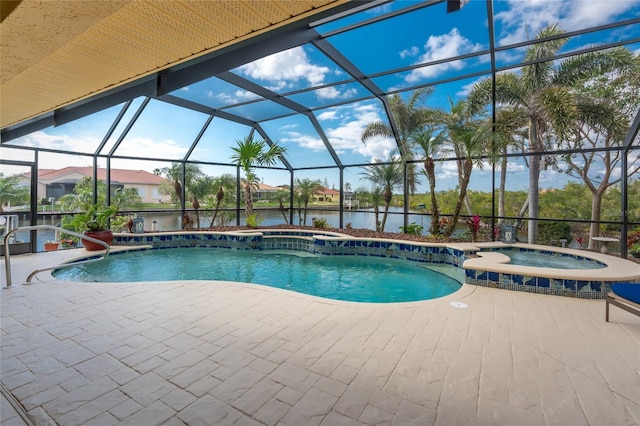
(412,229)
(320,222)
(553,231)
(253,220)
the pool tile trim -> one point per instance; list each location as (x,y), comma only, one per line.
(483,265)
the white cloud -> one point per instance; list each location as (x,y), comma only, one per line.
(410,52)
(286,67)
(442,47)
(523,19)
(466,89)
(333,93)
(41,139)
(347,136)
(447,170)
(328,115)
(284,70)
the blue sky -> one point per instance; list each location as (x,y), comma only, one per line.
(429,34)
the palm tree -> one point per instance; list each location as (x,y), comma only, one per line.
(198,188)
(431,142)
(376,198)
(546,95)
(221,182)
(469,144)
(505,135)
(282,196)
(408,117)
(306,188)
(174,174)
(11,191)
(385,177)
(250,153)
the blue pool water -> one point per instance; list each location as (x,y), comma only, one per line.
(546,260)
(350,278)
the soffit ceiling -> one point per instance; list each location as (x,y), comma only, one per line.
(55,53)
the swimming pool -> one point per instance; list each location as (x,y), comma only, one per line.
(348,278)
(478,264)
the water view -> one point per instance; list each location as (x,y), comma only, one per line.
(171,221)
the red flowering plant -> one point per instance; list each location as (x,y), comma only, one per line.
(474,226)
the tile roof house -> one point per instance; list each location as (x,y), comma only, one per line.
(59,182)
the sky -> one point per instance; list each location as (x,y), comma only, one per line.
(165,131)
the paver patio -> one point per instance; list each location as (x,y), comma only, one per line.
(216,353)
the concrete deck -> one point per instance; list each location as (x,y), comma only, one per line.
(216,353)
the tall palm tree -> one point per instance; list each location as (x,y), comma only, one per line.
(198,188)
(385,177)
(250,153)
(408,117)
(282,196)
(503,137)
(226,181)
(306,188)
(545,92)
(469,144)
(431,142)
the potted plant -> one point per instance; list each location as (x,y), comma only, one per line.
(50,245)
(93,223)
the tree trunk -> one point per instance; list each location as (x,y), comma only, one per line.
(503,184)
(306,203)
(594,228)
(468,167)
(534,180)
(196,206)
(248,199)
(219,198)
(286,221)
(461,178)
(429,168)
(384,216)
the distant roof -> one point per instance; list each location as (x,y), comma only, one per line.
(117,175)
(327,191)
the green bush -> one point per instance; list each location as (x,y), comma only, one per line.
(553,231)
(320,222)
(412,229)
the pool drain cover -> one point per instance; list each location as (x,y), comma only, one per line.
(459,305)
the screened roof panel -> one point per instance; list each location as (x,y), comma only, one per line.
(364,15)
(261,110)
(344,125)
(331,95)
(305,147)
(126,118)
(518,21)
(83,135)
(293,69)
(577,43)
(433,73)
(162,131)
(216,142)
(215,93)
(398,43)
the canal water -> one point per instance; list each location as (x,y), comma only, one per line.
(171,221)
